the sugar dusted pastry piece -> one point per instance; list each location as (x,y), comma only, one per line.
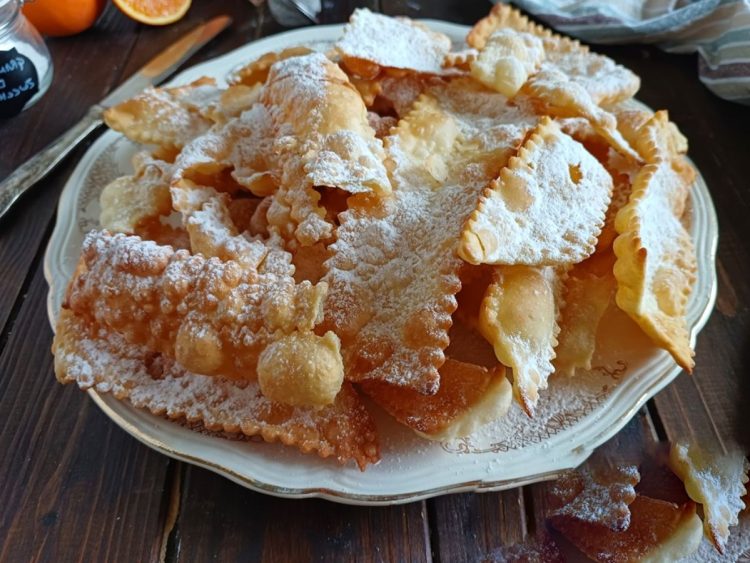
(507,59)
(168,117)
(656,264)
(295,214)
(547,207)
(586,296)
(716,481)
(519,317)
(556,94)
(469,397)
(599,495)
(256,71)
(372,41)
(652,134)
(131,201)
(394,272)
(243,145)
(605,81)
(231,102)
(208,221)
(502,16)
(214,317)
(96,358)
(659,531)
(320,120)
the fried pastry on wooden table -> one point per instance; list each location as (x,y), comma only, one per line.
(519,317)
(469,397)
(546,208)
(598,495)
(129,202)
(94,357)
(214,317)
(168,117)
(656,264)
(658,531)
(393,275)
(715,481)
(372,41)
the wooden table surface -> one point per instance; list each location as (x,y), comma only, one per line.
(74,487)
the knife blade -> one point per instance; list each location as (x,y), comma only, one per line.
(152,73)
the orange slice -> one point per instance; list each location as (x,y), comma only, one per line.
(154,12)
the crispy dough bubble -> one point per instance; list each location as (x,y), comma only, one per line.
(302,369)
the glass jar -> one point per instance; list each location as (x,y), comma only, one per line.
(25,63)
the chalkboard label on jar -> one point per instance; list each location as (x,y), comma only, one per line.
(19,82)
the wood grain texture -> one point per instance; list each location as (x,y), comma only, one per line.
(221,521)
(469,527)
(73,486)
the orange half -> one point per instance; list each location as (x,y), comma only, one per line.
(154,12)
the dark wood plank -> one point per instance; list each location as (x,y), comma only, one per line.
(247,526)
(469,527)
(73,486)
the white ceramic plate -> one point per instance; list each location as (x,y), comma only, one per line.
(574,415)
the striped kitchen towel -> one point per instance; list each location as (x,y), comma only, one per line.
(718,30)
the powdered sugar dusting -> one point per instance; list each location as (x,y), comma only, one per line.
(393,276)
(103,360)
(393,42)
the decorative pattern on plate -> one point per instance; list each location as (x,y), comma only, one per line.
(412,468)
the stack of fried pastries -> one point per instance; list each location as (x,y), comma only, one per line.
(439,230)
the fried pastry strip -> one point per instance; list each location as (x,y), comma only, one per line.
(546,208)
(604,81)
(519,317)
(243,145)
(587,293)
(507,59)
(168,117)
(469,397)
(131,201)
(256,71)
(715,481)
(319,118)
(658,531)
(556,94)
(656,264)
(213,317)
(372,41)
(94,357)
